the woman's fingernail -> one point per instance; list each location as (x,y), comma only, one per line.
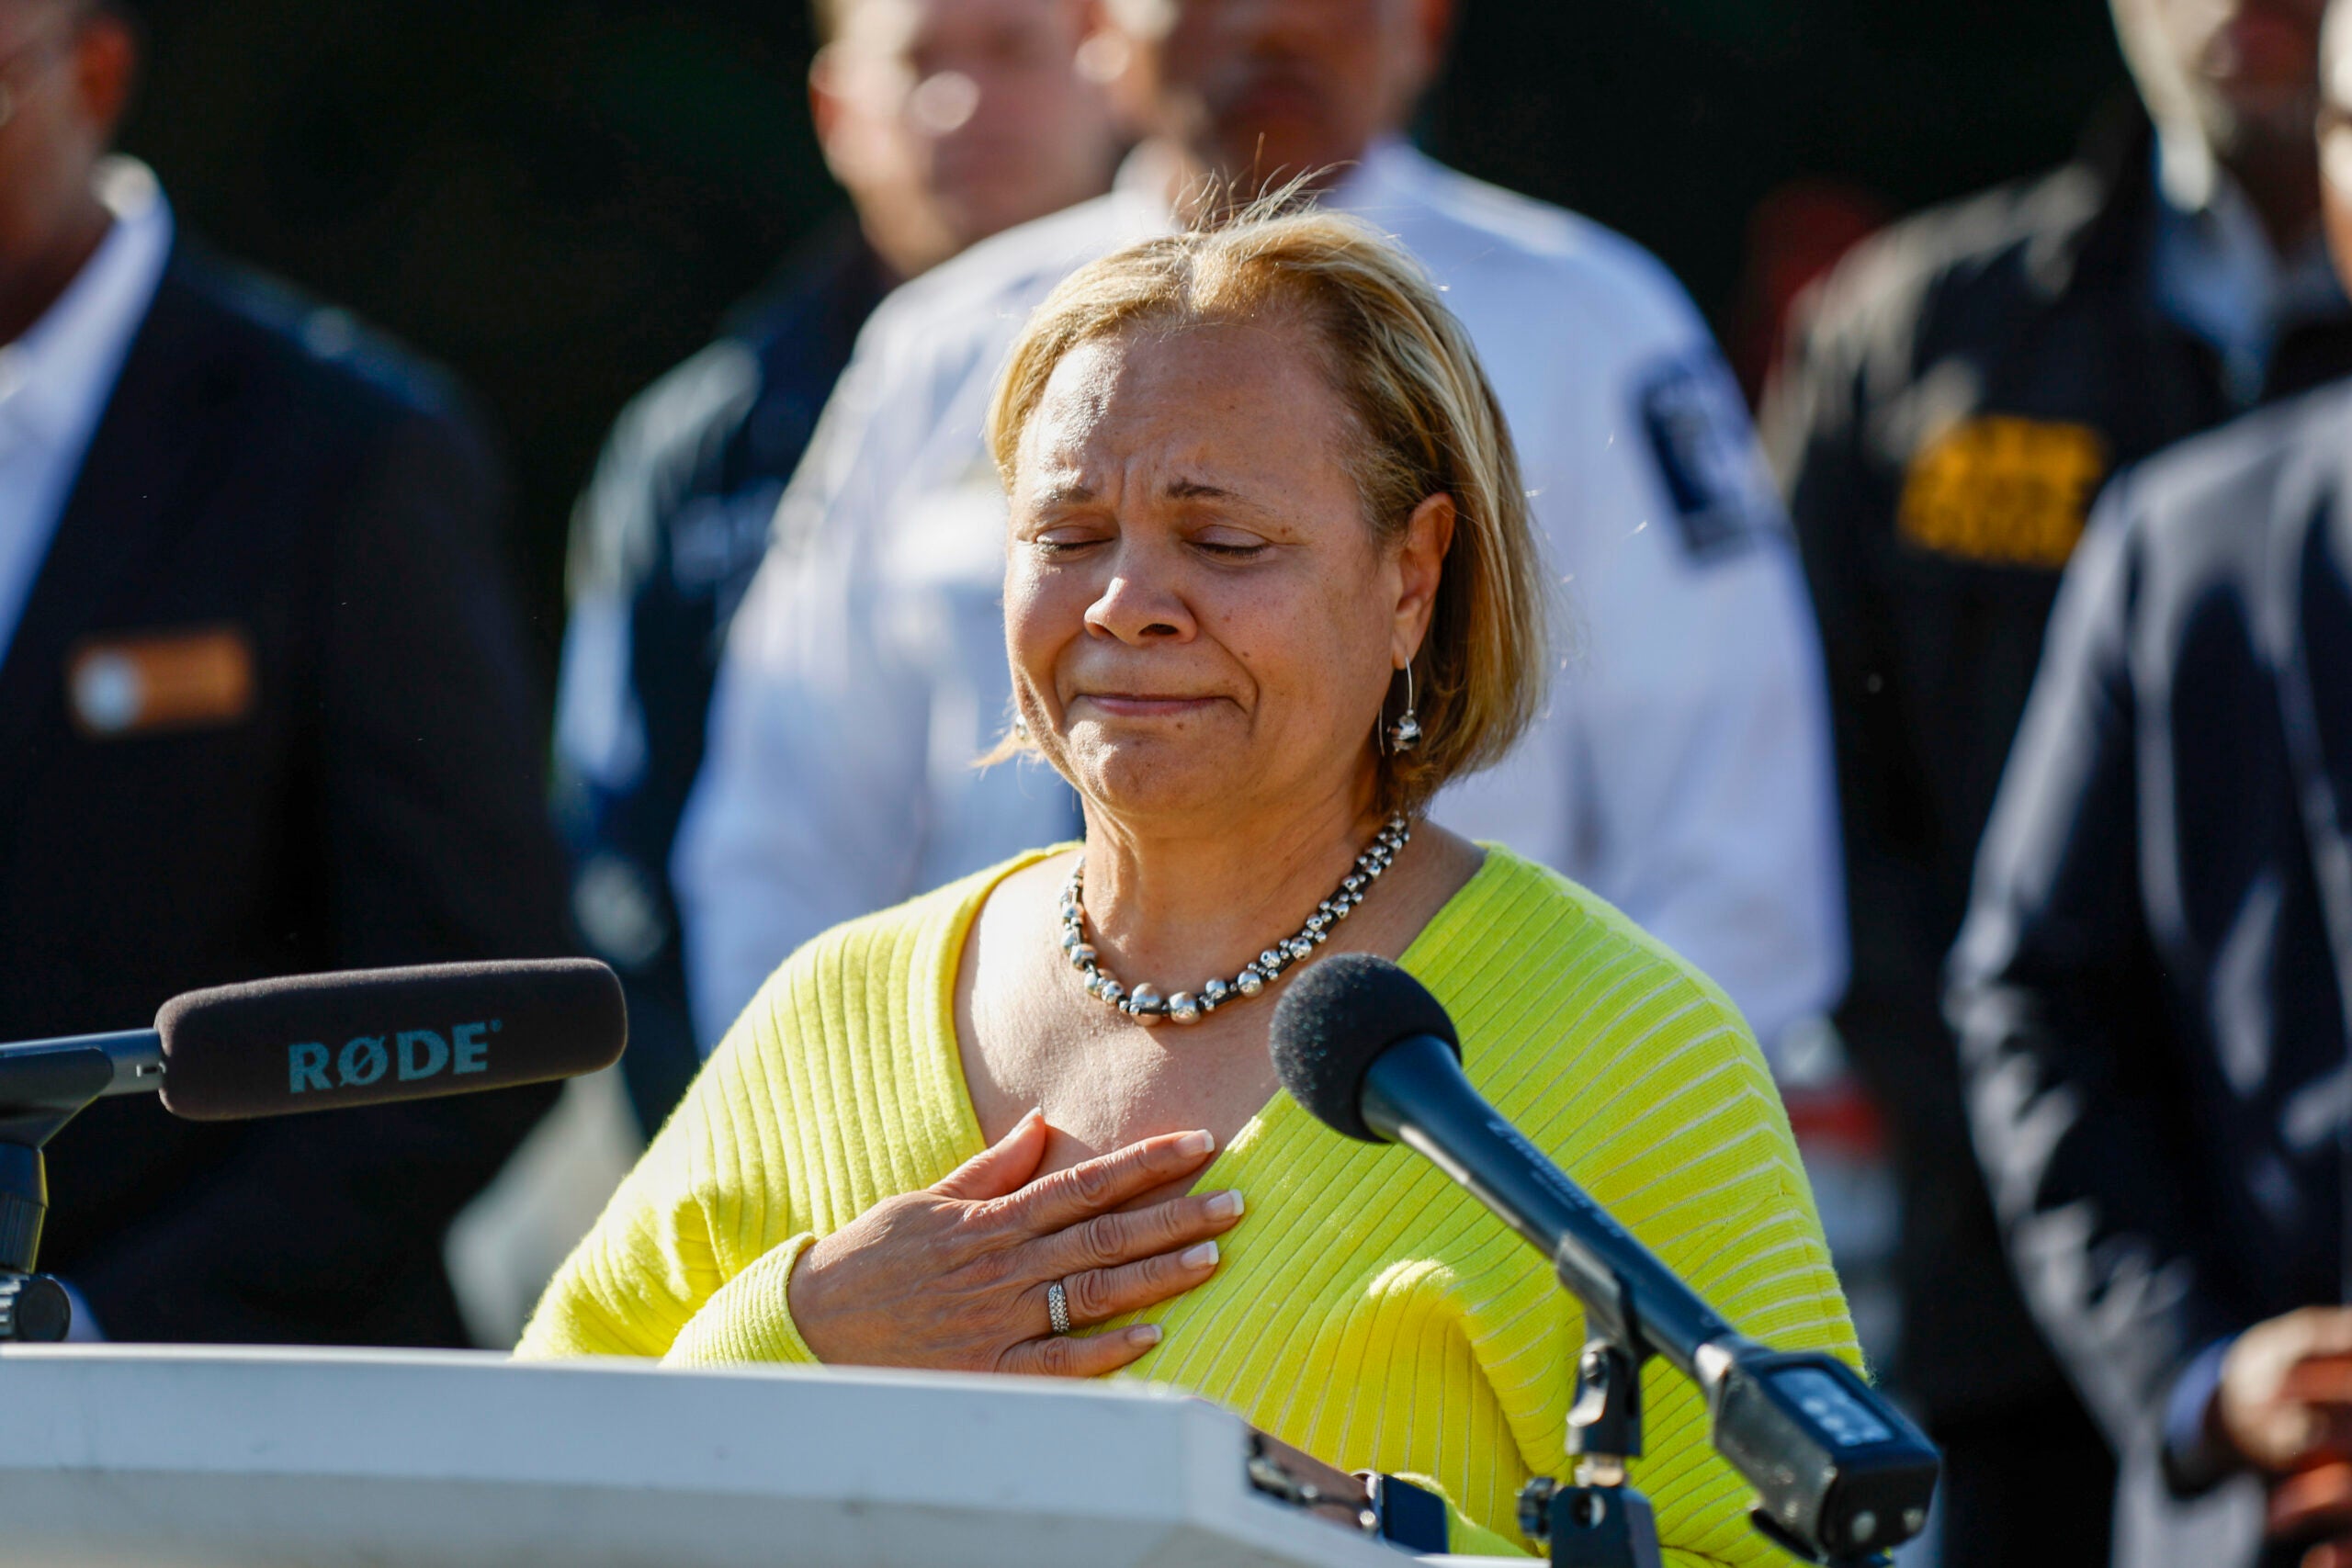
(1196,1142)
(1144,1334)
(1199,1257)
(1223,1205)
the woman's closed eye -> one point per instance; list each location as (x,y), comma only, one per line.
(1229,543)
(1222,544)
(1068,541)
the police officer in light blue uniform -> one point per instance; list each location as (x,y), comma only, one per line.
(1682,769)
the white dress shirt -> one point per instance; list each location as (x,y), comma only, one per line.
(55,380)
(1681,770)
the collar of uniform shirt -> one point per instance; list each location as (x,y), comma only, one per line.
(2216,274)
(57,376)
(1149,178)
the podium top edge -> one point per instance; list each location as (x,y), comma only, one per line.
(95,1357)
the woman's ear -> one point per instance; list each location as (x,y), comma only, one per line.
(1421,566)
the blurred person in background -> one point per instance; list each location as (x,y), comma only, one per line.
(945,120)
(264,710)
(2150,990)
(1681,770)
(1959,392)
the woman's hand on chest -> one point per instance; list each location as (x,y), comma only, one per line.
(961,1276)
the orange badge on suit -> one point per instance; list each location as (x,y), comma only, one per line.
(144,682)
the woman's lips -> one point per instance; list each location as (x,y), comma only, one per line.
(1139,704)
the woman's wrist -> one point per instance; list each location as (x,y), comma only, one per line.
(804,1300)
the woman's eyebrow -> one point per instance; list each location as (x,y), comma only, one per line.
(1075,492)
(1065,492)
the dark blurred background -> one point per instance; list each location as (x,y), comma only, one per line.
(560,200)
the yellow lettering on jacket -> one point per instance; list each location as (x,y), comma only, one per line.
(2004,492)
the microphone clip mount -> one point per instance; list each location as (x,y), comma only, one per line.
(1600,1521)
(43,1085)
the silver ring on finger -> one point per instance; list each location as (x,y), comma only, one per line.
(1057,1307)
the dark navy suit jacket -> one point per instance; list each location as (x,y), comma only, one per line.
(266,475)
(2149,988)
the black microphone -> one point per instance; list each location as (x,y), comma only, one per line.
(1369,1053)
(304,1042)
(373,1036)
(324,1041)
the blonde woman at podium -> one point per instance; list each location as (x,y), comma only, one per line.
(1270,583)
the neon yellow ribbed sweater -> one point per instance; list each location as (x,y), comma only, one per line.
(1366,1310)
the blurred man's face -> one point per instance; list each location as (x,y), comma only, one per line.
(2246,70)
(950,119)
(48,146)
(1260,90)
(2335,139)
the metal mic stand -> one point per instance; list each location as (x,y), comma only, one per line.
(42,1086)
(1600,1521)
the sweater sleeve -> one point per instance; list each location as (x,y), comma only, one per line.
(748,1319)
(653,1278)
(646,1268)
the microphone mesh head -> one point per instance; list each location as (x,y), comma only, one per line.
(371,1036)
(1337,1015)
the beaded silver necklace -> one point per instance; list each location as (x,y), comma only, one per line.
(1144,1003)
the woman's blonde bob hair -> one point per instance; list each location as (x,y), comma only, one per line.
(1426,423)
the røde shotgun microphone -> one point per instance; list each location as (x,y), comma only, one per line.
(1370,1053)
(305,1043)
(370,1036)
(325,1042)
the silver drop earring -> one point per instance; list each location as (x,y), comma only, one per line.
(1406,733)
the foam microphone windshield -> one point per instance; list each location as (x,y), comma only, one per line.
(324,1041)
(1335,1018)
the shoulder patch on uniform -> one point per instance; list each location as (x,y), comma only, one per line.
(2003,491)
(1707,459)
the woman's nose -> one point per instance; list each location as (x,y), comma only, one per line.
(1136,606)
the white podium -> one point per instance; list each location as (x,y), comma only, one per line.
(122,1455)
